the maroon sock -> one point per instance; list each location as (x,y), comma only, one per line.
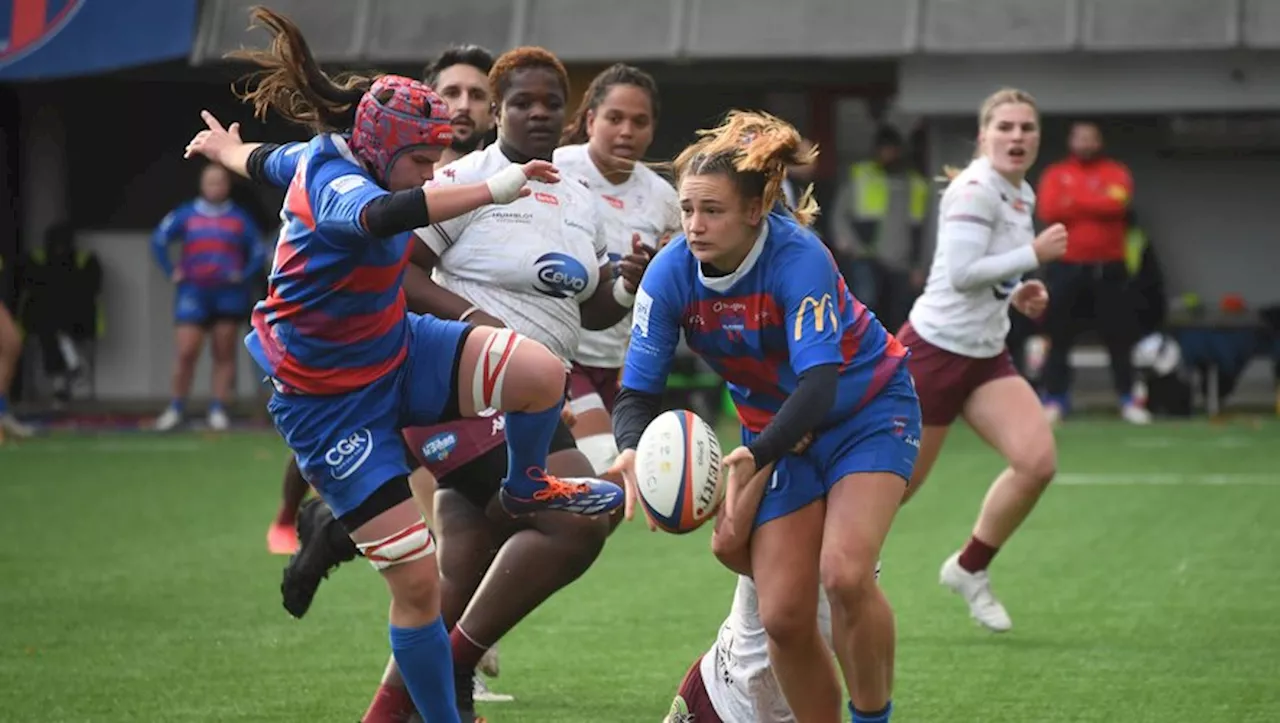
(466,653)
(977,555)
(391,704)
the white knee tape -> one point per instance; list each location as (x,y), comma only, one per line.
(586,403)
(491,369)
(412,543)
(600,451)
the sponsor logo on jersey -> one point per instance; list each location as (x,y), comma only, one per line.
(559,275)
(547,198)
(345,457)
(823,309)
(438,447)
(614,201)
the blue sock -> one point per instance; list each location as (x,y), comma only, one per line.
(426,664)
(528,439)
(4,403)
(215,406)
(880,716)
(177,405)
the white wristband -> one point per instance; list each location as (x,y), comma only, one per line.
(505,185)
(625,298)
(470,310)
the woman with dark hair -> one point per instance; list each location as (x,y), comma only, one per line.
(610,133)
(350,366)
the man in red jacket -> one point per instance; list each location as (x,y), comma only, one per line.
(1090,195)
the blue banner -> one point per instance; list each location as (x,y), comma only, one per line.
(44,39)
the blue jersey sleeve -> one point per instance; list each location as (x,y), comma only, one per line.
(169,229)
(655,329)
(809,291)
(339,190)
(281,164)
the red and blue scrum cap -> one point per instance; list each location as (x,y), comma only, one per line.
(409,116)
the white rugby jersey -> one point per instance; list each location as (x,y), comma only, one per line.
(984,247)
(736,671)
(644,204)
(530,262)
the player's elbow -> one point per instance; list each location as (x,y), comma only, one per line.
(962,279)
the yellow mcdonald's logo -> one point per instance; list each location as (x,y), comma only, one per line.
(823,309)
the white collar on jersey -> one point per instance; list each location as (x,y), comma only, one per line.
(722,284)
(1002,183)
(208,208)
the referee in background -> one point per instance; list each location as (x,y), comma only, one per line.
(1090,194)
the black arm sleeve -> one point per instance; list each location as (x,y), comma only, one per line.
(632,412)
(803,411)
(397,212)
(258,159)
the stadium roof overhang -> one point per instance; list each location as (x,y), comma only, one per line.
(410,31)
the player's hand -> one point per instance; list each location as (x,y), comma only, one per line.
(512,182)
(625,466)
(739,467)
(1051,244)
(1031,299)
(567,416)
(544,171)
(213,142)
(632,266)
(176,276)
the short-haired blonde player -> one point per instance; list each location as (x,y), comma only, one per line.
(957,329)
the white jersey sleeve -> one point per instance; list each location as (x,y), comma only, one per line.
(983,249)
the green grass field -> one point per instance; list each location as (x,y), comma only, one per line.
(135,586)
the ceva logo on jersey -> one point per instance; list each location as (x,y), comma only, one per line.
(559,275)
(438,448)
(345,457)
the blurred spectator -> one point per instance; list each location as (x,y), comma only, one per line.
(878,229)
(60,305)
(1089,194)
(222,256)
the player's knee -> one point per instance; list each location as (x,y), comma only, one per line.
(1038,464)
(516,373)
(600,449)
(848,578)
(788,622)
(582,540)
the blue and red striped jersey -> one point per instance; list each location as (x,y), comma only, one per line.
(785,310)
(221,244)
(334,319)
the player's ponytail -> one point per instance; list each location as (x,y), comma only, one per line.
(754,148)
(292,83)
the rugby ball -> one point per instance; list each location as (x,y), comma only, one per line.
(678,471)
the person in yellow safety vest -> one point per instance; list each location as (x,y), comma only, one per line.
(878,229)
(1146,279)
(60,304)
